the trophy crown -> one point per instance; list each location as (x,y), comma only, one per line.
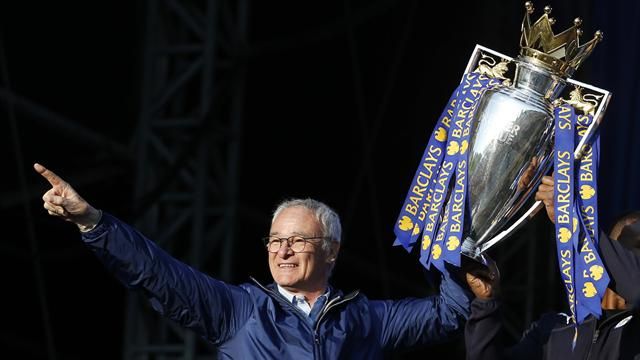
(562,53)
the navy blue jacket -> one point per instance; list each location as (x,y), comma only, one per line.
(615,336)
(253,321)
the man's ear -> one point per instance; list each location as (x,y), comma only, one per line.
(334,249)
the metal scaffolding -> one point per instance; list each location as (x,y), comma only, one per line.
(187,146)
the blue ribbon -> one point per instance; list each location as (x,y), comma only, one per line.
(592,278)
(432,206)
(457,204)
(565,221)
(575,199)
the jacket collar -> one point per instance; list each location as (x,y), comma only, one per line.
(334,293)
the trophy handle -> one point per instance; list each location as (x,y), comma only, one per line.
(535,208)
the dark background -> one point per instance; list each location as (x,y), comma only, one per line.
(335,112)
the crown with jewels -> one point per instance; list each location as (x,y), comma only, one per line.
(561,53)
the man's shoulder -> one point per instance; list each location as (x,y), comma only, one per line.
(558,318)
(254,286)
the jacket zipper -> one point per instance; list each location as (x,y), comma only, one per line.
(331,304)
(596,332)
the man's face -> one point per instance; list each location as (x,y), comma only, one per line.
(306,271)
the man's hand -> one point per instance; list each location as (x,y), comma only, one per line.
(484,281)
(545,194)
(64,202)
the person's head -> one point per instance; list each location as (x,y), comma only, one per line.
(304,222)
(626,230)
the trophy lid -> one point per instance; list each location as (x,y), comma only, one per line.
(561,54)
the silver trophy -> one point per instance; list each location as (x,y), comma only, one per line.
(513,134)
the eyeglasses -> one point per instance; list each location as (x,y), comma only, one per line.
(296,243)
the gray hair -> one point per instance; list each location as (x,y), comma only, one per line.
(326,216)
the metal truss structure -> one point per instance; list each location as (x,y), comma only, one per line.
(187,147)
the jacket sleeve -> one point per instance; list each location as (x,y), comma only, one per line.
(212,308)
(532,344)
(623,266)
(419,321)
(483,330)
(483,334)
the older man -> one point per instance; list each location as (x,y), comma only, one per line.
(300,316)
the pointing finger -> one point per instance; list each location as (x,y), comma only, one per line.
(51,177)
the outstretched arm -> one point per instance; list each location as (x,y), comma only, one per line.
(212,308)
(421,321)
